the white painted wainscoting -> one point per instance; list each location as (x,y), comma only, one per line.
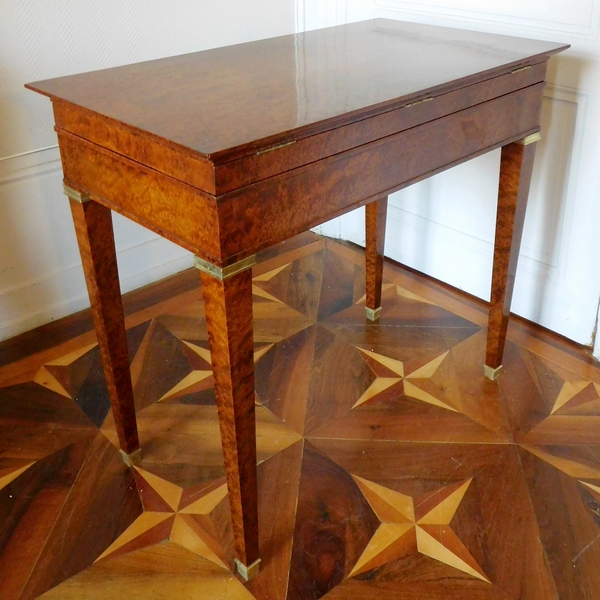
(444,226)
(40,270)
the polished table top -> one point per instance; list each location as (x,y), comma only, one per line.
(216,142)
(237,99)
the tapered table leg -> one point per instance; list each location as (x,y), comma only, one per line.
(228,307)
(375,217)
(93,226)
(516,166)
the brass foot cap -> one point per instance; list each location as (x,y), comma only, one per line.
(247,573)
(373,313)
(131,459)
(490,373)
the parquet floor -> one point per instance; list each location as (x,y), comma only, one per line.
(389,467)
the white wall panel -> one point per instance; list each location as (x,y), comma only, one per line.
(444,226)
(577,19)
(40,271)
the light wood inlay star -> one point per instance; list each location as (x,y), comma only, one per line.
(10,474)
(578,397)
(55,374)
(393,380)
(415,525)
(166,517)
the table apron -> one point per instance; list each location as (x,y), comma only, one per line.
(230,172)
(174,210)
(301,151)
(227,228)
(271,211)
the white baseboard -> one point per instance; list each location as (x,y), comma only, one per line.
(63,293)
(41,278)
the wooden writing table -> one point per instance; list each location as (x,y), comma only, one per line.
(231,150)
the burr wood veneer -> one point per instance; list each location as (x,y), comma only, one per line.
(229,151)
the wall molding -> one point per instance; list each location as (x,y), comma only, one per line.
(54,294)
(29,164)
(588,29)
(315,14)
(571,160)
(69,285)
(300,16)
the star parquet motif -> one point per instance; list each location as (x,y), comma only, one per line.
(394,380)
(548,401)
(192,522)
(572,473)
(388,466)
(415,525)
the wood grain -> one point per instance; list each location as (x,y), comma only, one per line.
(216,104)
(93,225)
(375,219)
(523,518)
(516,166)
(169,207)
(229,319)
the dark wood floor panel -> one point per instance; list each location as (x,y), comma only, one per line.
(463,505)
(565,489)
(84,526)
(278,483)
(389,467)
(334,523)
(548,403)
(29,508)
(283,377)
(163,570)
(29,413)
